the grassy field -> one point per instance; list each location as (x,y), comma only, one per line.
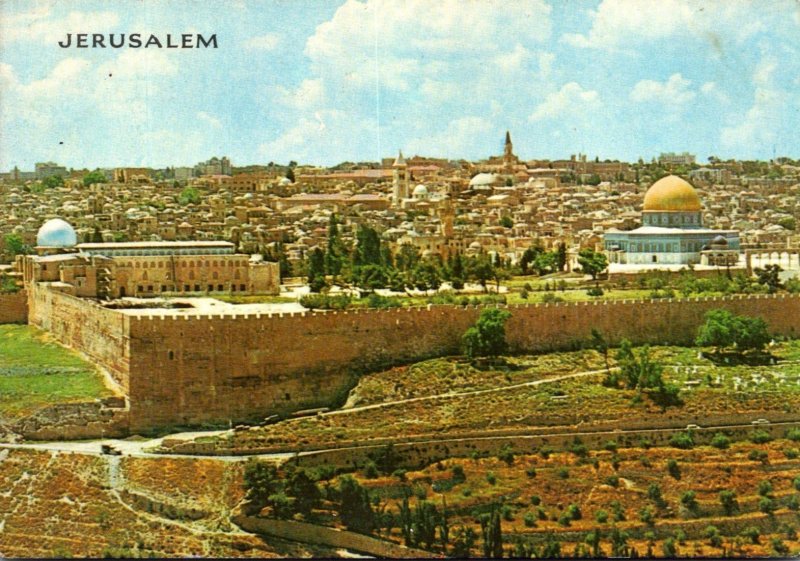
(709,386)
(35,372)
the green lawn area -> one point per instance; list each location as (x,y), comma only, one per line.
(35,372)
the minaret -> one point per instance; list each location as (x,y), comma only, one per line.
(399,184)
(446,217)
(508,155)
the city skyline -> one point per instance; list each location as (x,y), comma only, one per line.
(321,83)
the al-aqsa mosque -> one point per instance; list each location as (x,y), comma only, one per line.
(672,231)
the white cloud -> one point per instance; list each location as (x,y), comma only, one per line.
(329,135)
(267,42)
(570,100)
(458,138)
(675,91)
(36,25)
(210,119)
(308,95)
(513,61)
(618,23)
(765,116)
(439,91)
(393,38)
(712,90)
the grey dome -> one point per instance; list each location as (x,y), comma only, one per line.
(56,233)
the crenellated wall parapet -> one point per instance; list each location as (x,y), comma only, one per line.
(189,369)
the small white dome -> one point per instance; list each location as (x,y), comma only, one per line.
(420,191)
(56,233)
(483,179)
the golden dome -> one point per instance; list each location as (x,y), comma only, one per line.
(672,194)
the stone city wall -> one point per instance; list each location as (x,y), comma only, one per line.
(195,369)
(99,333)
(14,307)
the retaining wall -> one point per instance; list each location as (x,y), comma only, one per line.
(322,535)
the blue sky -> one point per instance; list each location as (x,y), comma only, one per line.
(322,82)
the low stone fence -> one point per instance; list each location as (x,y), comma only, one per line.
(415,454)
(101,418)
(331,537)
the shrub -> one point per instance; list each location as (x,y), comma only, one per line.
(507,513)
(793,503)
(728,501)
(506,454)
(793,434)
(712,533)
(619,512)
(796,483)
(669,549)
(574,512)
(647,515)
(760,437)
(779,548)
(491,478)
(612,480)
(682,440)
(457,474)
(673,469)
(601,516)
(791,453)
(688,500)
(766,505)
(325,301)
(370,470)
(529,519)
(563,473)
(764,488)
(531,472)
(536,500)
(611,446)
(758,456)
(720,441)
(565,519)
(751,533)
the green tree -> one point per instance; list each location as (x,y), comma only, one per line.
(727,499)
(723,329)
(457,271)
(316,270)
(337,252)
(492,533)
(769,276)
(260,482)
(14,245)
(487,338)
(96,176)
(355,507)
(189,195)
(53,181)
(529,257)
(592,262)
(507,222)
(304,490)
(561,257)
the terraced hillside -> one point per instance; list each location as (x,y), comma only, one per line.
(60,505)
(449,398)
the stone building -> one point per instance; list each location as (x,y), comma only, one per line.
(114,270)
(672,231)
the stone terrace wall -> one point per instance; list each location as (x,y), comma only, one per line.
(14,307)
(195,369)
(99,333)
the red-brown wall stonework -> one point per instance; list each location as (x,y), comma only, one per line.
(201,369)
(14,307)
